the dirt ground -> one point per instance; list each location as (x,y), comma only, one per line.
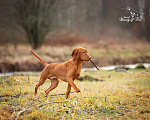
(105,51)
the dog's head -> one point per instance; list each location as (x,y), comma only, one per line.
(80,53)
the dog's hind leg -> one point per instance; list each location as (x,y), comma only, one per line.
(54,84)
(41,81)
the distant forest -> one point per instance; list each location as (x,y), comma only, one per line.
(32,20)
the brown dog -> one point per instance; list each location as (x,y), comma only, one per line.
(67,71)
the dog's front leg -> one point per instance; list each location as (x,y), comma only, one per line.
(70,81)
(68,91)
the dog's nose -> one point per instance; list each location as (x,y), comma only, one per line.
(90,57)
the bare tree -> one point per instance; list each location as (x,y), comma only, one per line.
(35,17)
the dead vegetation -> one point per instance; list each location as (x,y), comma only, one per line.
(105,51)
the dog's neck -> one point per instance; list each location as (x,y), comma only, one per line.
(78,62)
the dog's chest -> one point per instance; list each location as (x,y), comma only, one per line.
(76,76)
(77,73)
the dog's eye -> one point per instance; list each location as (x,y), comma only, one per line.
(83,52)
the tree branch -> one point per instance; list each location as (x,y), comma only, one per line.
(41,105)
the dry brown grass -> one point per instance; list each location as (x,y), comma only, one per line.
(104,51)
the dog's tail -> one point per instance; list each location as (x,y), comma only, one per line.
(39,58)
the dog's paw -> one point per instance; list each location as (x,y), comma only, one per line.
(78,91)
(46,95)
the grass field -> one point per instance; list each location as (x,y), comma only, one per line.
(118,95)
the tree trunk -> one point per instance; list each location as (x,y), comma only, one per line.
(147,19)
(144,7)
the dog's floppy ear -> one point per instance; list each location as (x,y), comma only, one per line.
(74,53)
